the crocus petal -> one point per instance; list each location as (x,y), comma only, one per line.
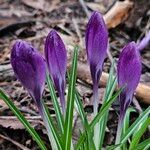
(144,42)
(56,58)
(29,68)
(96,44)
(129,71)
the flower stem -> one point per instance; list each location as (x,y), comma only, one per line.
(96,128)
(95,98)
(63,105)
(45,120)
(119,131)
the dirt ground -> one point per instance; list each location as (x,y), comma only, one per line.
(127,20)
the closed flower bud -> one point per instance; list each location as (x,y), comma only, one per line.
(129,72)
(56,58)
(29,68)
(96,39)
(96,44)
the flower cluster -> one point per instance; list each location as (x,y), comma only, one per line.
(30,68)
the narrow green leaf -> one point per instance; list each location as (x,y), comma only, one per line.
(70,102)
(134,126)
(110,80)
(50,127)
(90,142)
(126,122)
(143,145)
(112,147)
(104,108)
(110,87)
(23,120)
(80,109)
(59,116)
(136,137)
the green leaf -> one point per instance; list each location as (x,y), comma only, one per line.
(134,126)
(52,132)
(59,116)
(143,145)
(70,102)
(126,122)
(80,109)
(90,142)
(101,127)
(136,137)
(104,108)
(112,147)
(23,120)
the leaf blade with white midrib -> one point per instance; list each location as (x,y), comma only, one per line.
(70,103)
(23,120)
(105,107)
(59,116)
(136,137)
(133,127)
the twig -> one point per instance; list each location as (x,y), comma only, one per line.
(84,8)
(147,27)
(142,91)
(110,56)
(15,26)
(14,142)
(137,105)
(27,117)
(77,30)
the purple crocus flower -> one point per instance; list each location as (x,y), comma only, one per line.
(56,58)
(129,71)
(29,68)
(96,46)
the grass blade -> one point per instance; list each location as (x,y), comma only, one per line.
(136,137)
(70,102)
(111,84)
(59,116)
(112,147)
(53,134)
(143,145)
(126,123)
(23,120)
(104,108)
(90,142)
(134,126)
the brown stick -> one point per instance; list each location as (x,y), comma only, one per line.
(118,13)
(142,92)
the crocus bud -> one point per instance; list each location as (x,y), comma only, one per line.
(29,68)
(56,58)
(129,71)
(96,39)
(96,44)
